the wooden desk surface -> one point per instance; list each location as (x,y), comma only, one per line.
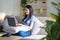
(11,38)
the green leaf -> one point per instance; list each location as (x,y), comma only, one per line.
(48,26)
(42,27)
(58,9)
(53,16)
(23,3)
(30,1)
(54,4)
(59,3)
(43,38)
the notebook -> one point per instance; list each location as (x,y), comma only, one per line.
(11,21)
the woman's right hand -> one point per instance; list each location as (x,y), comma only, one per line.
(18,24)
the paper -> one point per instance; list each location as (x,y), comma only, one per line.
(16,29)
(23,28)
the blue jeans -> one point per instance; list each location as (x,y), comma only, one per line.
(23,33)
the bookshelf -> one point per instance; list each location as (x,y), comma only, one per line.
(39,7)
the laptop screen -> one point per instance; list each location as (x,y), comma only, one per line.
(11,21)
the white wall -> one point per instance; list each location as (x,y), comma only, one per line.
(10,7)
(51,9)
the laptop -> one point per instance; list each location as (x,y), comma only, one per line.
(11,21)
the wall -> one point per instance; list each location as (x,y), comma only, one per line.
(10,7)
(50,8)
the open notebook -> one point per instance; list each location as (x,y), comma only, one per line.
(11,21)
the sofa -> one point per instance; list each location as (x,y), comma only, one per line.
(18,19)
(42,32)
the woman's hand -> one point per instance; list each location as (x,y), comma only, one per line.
(27,27)
(18,24)
(21,25)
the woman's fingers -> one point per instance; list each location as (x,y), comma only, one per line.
(19,24)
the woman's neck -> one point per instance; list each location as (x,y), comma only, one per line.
(27,17)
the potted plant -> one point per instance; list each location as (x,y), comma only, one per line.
(25,2)
(53,27)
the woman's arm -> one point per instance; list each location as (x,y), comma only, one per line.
(29,27)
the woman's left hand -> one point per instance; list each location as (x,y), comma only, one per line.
(18,24)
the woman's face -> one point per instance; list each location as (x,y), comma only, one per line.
(27,11)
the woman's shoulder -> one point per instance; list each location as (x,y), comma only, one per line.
(33,17)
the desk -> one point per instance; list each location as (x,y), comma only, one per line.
(11,38)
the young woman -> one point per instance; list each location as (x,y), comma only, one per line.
(29,20)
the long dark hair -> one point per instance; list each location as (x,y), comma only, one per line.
(30,14)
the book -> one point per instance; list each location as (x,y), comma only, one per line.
(1,34)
